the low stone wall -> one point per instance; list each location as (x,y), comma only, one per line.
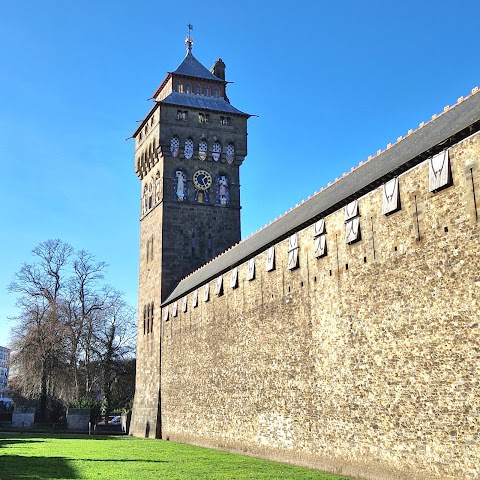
(77,419)
(23,420)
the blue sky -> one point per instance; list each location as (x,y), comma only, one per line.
(331,83)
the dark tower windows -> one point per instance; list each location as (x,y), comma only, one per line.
(188,88)
(197,89)
(203,117)
(207,91)
(216,92)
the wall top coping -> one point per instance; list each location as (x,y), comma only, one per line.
(443,131)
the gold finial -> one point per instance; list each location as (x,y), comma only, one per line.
(189,39)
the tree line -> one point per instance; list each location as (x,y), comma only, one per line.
(73,339)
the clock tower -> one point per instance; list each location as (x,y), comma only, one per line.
(188,150)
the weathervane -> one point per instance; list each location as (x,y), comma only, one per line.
(189,39)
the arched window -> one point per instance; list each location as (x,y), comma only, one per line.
(174,146)
(216,151)
(180,186)
(207,91)
(202,150)
(230,153)
(197,89)
(216,92)
(179,87)
(188,88)
(188,151)
(222,189)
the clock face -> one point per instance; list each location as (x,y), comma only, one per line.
(202,179)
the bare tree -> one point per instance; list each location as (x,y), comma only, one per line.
(41,333)
(114,342)
(71,329)
(82,303)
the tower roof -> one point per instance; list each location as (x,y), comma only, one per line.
(202,103)
(191,67)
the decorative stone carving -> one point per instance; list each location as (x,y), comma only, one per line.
(222,189)
(180,185)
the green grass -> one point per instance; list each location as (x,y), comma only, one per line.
(31,456)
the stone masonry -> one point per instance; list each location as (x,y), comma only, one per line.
(363,362)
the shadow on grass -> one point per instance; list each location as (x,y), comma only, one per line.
(16,466)
(10,441)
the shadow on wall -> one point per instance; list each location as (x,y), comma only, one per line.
(147,430)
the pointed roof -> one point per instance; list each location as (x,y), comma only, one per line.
(191,67)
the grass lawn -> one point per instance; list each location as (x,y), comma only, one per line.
(31,456)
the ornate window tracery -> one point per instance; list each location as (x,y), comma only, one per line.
(216,151)
(174,146)
(202,150)
(230,153)
(188,151)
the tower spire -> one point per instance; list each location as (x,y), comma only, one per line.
(189,39)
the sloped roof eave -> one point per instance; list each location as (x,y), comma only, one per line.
(448,128)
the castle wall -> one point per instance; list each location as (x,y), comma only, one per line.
(145,417)
(363,362)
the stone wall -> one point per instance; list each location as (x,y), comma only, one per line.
(363,362)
